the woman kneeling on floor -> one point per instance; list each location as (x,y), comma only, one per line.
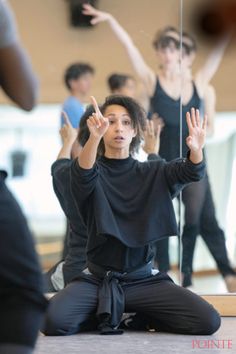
(126,206)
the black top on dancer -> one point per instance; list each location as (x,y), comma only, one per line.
(75,261)
(167,107)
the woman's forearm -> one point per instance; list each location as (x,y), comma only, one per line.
(88,154)
(65,152)
(120,32)
(141,68)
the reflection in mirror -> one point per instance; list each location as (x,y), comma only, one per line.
(141,59)
(209,232)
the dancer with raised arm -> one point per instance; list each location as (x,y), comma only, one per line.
(126,206)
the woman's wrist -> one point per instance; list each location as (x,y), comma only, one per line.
(68,143)
(196,156)
(149,151)
(109,17)
(95,139)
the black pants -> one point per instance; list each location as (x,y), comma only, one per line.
(165,305)
(22,303)
(200,219)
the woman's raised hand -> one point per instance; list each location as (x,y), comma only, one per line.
(98,16)
(97,124)
(197,130)
(67,132)
(152,137)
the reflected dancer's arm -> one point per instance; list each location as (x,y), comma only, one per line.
(146,74)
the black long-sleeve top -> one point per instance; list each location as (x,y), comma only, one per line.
(75,260)
(126,205)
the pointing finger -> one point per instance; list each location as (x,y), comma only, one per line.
(66,118)
(95,105)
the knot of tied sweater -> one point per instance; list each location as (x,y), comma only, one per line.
(111,299)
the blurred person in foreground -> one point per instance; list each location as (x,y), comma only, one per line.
(22,303)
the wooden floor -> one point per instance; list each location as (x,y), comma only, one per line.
(225,304)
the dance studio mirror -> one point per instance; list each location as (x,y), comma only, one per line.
(208,216)
(157,28)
